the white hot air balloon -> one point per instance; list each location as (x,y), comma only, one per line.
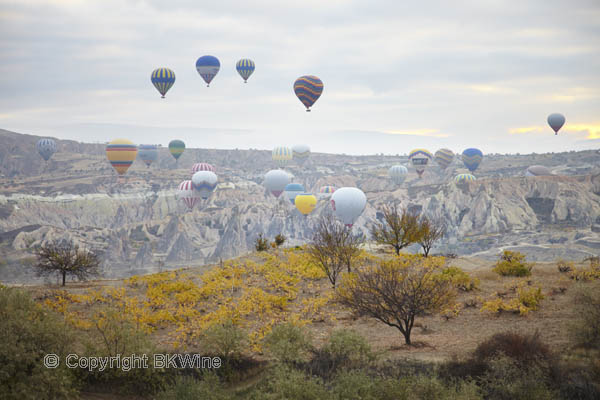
(276,180)
(204,183)
(348,204)
(301,152)
(187,194)
(398,174)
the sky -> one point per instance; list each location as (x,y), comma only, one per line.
(397,74)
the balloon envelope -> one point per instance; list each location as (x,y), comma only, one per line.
(148,153)
(398,174)
(444,157)
(472,158)
(120,154)
(292,190)
(305,203)
(464,178)
(326,191)
(556,121)
(308,89)
(204,182)
(276,181)
(46,148)
(419,158)
(245,67)
(202,167)
(162,79)
(282,155)
(537,170)
(348,204)
(176,148)
(301,152)
(187,194)
(208,67)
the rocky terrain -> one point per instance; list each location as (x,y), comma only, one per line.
(139,226)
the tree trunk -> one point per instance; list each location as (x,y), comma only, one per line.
(64,274)
(397,248)
(407,337)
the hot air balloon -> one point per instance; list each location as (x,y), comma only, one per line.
(472,158)
(202,167)
(464,178)
(121,153)
(282,155)
(443,158)
(305,203)
(308,89)
(419,158)
(204,182)
(556,121)
(326,191)
(245,68)
(148,153)
(162,79)
(398,174)
(187,194)
(291,190)
(276,180)
(176,148)
(348,204)
(537,170)
(301,152)
(208,67)
(46,148)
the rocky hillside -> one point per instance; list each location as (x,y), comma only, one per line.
(139,226)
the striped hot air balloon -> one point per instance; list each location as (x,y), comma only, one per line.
(460,178)
(282,155)
(308,89)
(419,158)
(120,154)
(176,148)
(326,191)
(187,194)
(301,152)
(444,157)
(245,67)
(305,203)
(162,79)
(472,158)
(398,174)
(208,67)
(204,182)
(202,167)
(148,153)
(46,148)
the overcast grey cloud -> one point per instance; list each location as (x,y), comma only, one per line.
(397,75)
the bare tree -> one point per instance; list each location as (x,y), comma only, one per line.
(66,259)
(399,229)
(430,232)
(333,247)
(397,291)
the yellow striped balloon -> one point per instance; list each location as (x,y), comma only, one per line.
(464,178)
(120,154)
(305,203)
(282,155)
(162,79)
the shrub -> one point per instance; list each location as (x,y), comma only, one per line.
(587,274)
(288,343)
(289,384)
(261,243)
(585,330)
(525,349)
(512,263)
(565,266)
(460,279)
(527,298)
(188,388)
(28,332)
(280,239)
(224,340)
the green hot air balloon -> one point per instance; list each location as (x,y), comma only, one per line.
(176,148)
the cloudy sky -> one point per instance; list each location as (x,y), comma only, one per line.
(397,74)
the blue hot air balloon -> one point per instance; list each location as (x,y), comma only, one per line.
(245,68)
(162,79)
(308,89)
(292,190)
(208,67)
(472,158)
(148,153)
(46,148)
